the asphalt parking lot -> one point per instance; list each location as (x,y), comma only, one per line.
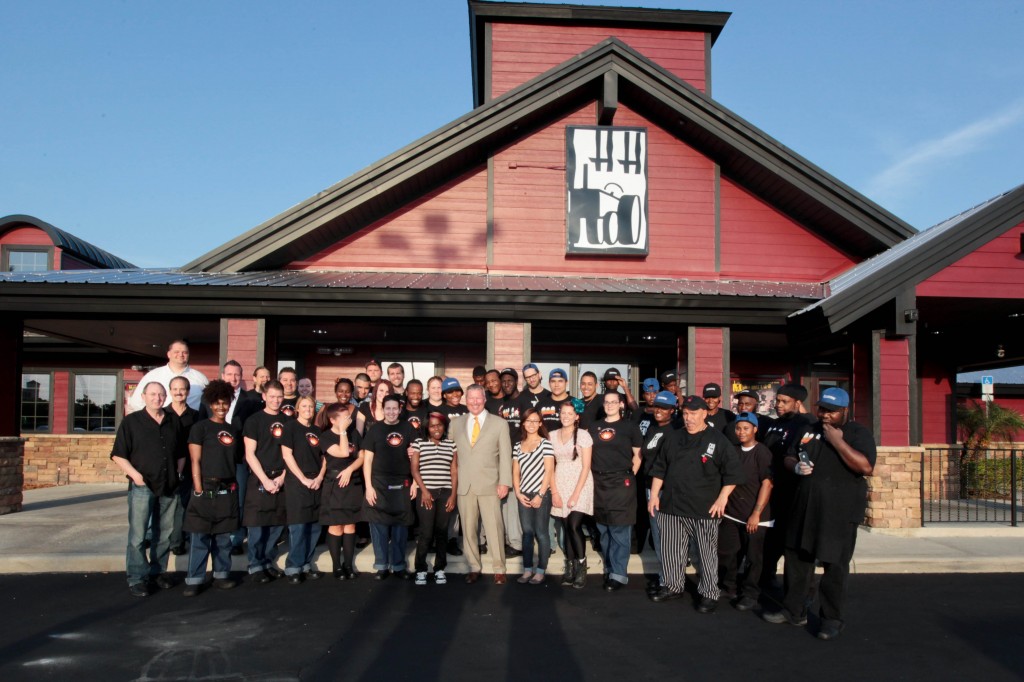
(907,627)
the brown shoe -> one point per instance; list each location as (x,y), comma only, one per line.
(472,577)
(499,578)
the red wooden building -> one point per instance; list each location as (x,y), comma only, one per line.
(597,207)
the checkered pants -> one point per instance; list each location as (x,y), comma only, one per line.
(676,534)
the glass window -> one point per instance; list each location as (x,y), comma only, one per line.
(95,408)
(28,261)
(35,402)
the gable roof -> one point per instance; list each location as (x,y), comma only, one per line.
(877,280)
(67,242)
(795,186)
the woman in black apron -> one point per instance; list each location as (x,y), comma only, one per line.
(342,504)
(213,446)
(302,452)
(389,489)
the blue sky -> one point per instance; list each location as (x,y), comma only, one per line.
(160,130)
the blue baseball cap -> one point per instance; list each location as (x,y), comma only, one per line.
(532,366)
(651,385)
(665,399)
(748,417)
(834,398)
(558,373)
(450,384)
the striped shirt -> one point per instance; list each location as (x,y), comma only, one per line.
(531,466)
(436,462)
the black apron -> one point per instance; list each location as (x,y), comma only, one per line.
(263,508)
(615,498)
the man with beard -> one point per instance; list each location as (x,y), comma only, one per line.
(415,412)
(495,393)
(593,409)
(692,480)
(533,393)
(557,396)
(396,375)
(831,460)
(509,410)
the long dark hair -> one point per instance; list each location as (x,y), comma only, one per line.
(542,430)
(575,425)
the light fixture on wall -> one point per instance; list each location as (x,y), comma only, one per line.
(1000,352)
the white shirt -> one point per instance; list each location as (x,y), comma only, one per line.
(469,423)
(163,375)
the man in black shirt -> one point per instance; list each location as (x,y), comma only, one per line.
(692,480)
(613,381)
(557,396)
(831,460)
(415,410)
(150,449)
(533,393)
(495,394)
(718,417)
(593,407)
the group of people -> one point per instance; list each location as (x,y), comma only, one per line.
(500,463)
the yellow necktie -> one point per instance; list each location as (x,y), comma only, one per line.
(476,430)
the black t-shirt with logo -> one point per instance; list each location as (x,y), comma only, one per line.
(389,444)
(288,407)
(220,446)
(509,411)
(613,445)
(418,417)
(335,464)
(306,446)
(268,432)
(529,400)
(549,408)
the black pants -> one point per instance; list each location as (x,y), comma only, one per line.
(433,526)
(734,543)
(572,535)
(643,519)
(831,589)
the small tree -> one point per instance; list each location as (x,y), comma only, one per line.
(978,426)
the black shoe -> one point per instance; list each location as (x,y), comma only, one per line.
(314,575)
(665,594)
(707,605)
(362,542)
(138,590)
(179,549)
(783,616)
(511,551)
(612,585)
(260,578)
(405,575)
(744,603)
(339,574)
(830,629)
(273,572)
(295,579)
(595,542)
(453,548)
(483,548)
(192,590)
(224,583)
(237,550)
(382,575)
(164,581)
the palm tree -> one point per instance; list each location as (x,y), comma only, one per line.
(979,426)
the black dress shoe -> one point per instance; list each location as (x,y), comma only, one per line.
(295,579)
(164,581)
(224,583)
(273,572)
(382,575)
(483,548)
(362,542)
(191,590)
(260,578)
(178,549)
(511,551)
(237,550)
(612,585)
(745,603)
(405,575)
(830,629)
(453,548)
(314,575)
(707,605)
(138,590)
(783,616)
(665,594)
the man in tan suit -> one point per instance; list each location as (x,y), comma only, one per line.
(485,475)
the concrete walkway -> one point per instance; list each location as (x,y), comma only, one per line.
(83,528)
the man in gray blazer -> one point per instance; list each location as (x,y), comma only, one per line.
(485,476)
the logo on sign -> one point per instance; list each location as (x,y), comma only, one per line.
(606,179)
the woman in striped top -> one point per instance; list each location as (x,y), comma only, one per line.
(435,467)
(533,473)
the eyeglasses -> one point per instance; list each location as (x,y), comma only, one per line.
(535,422)
(530,376)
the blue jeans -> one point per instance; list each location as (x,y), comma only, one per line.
(535,527)
(145,505)
(263,547)
(388,546)
(301,545)
(203,545)
(242,477)
(615,550)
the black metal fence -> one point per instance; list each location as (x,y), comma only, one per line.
(960,485)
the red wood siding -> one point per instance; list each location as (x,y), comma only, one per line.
(936,401)
(520,52)
(894,391)
(708,361)
(994,270)
(759,241)
(530,196)
(444,230)
(861,385)
(26,236)
(508,345)
(242,341)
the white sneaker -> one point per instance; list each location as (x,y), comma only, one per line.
(421,578)
(439,578)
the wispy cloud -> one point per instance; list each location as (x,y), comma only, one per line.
(914,166)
